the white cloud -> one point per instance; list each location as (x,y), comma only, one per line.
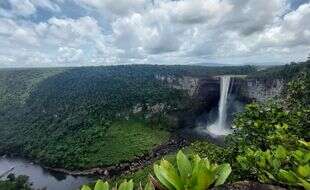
(46,4)
(22,8)
(7,26)
(26,8)
(171,32)
(69,55)
(24,36)
(67,42)
(197,11)
(290,32)
(117,7)
(250,16)
(65,31)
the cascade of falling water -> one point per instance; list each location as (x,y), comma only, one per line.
(220,127)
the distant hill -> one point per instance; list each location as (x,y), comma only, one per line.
(214,64)
(264,63)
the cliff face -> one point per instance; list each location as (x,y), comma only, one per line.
(262,90)
(189,84)
(204,93)
(242,88)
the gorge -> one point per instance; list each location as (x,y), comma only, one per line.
(220,127)
(86,123)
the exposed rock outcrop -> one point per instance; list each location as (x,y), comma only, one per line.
(189,84)
(262,90)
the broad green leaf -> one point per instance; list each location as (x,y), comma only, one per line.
(223,172)
(149,186)
(304,171)
(184,165)
(281,152)
(276,163)
(85,187)
(288,176)
(306,144)
(262,162)
(126,185)
(298,155)
(204,178)
(100,185)
(307,157)
(269,176)
(161,178)
(305,184)
(170,174)
(207,163)
(196,162)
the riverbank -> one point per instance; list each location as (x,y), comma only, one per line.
(59,178)
(172,145)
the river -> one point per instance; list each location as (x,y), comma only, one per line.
(41,177)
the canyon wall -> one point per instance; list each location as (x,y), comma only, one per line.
(262,90)
(242,87)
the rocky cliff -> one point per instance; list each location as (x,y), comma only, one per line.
(242,87)
(262,90)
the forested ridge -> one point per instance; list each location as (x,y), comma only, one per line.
(75,112)
(85,118)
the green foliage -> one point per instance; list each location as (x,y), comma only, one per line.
(126,185)
(213,152)
(286,72)
(123,140)
(191,174)
(262,125)
(142,175)
(279,165)
(16,85)
(15,183)
(198,174)
(269,138)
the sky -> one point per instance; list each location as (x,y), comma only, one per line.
(63,33)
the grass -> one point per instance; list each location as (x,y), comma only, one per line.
(125,140)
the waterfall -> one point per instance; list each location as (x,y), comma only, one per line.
(220,127)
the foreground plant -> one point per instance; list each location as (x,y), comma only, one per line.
(279,165)
(126,185)
(198,174)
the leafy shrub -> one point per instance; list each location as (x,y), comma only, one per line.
(279,165)
(263,125)
(198,174)
(215,153)
(126,185)
(13,182)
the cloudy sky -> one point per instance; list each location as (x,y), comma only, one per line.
(46,33)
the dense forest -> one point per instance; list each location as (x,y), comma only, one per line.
(13,182)
(90,115)
(63,108)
